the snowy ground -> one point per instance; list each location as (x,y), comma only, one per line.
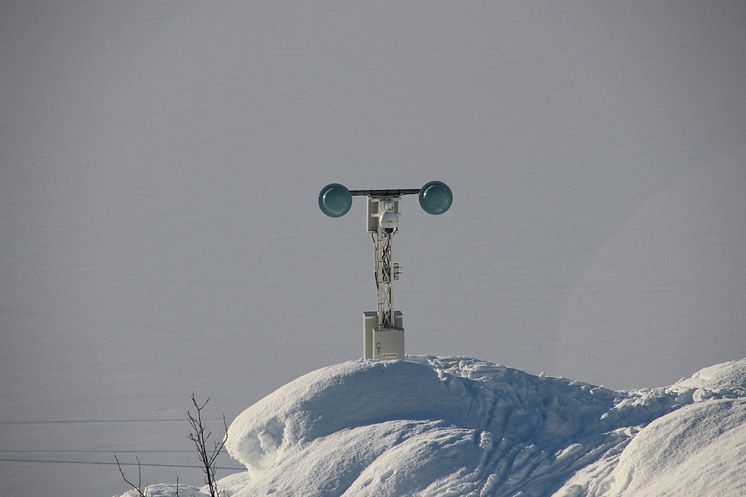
(447,427)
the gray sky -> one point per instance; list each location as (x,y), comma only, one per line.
(160,162)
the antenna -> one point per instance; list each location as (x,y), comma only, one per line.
(383,330)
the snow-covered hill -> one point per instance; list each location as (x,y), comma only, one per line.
(458,426)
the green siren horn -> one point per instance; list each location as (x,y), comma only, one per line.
(335,200)
(435,197)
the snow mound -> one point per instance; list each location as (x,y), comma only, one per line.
(698,450)
(449,427)
(724,380)
(431,426)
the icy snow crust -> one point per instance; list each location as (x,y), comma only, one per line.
(444,427)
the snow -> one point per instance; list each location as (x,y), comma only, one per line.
(430,426)
(697,450)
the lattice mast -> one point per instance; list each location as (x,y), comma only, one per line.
(386,270)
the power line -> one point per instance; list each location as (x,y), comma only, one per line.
(94,451)
(103,463)
(85,421)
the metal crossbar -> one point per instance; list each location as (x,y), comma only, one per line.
(385,193)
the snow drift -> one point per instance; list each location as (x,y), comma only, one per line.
(443,427)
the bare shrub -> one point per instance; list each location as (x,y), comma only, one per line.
(200,437)
(138,488)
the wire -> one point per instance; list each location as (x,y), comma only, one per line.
(95,451)
(85,421)
(102,463)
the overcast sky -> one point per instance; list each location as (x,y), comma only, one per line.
(160,162)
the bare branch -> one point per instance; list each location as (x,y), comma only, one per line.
(138,488)
(206,457)
(200,438)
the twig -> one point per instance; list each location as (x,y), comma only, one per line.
(200,439)
(137,487)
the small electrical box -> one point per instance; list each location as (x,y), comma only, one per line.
(384,343)
(373,214)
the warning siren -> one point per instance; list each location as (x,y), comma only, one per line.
(335,200)
(383,329)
